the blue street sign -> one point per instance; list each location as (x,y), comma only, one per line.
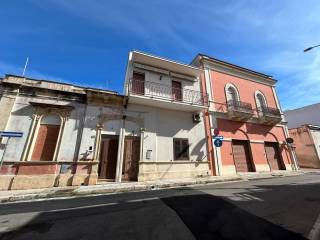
(217,142)
(10,134)
(218,137)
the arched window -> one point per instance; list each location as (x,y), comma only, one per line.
(46,140)
(260,100)
(232,93)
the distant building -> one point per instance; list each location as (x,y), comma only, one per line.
(304,128)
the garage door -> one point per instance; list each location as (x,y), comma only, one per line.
(273,156)
(241,156)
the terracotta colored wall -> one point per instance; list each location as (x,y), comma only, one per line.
(37,169)
(245,87)
(251,131)
(305,149)
(226,154)
(258,153)
(245,131)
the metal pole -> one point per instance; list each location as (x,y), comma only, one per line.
(4,152)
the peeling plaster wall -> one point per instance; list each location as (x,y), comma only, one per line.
(21,120)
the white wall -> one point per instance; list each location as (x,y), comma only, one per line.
(163,125)
(21,118)
(19,121)
(316,138)
(306,115)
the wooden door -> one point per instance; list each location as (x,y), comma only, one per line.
(138,83)
(176,91)
(108,158)
(273,156)
(46,143)
(130,168)
(241,156)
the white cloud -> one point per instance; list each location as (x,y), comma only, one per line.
(265,35)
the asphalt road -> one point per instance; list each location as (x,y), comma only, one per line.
(278,208)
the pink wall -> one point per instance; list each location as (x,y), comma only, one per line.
(251,131)
(245,131)
(305,149)
(246,89)
(258,153)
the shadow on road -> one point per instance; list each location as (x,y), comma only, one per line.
(184,213)
(211,217)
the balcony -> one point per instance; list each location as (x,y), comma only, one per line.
(238,110)
(269,116)
(165,96)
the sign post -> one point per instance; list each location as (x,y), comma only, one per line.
(217,143)
(8,135)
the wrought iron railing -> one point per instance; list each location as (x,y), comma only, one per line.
(234,105)
(161,91)
(269,111)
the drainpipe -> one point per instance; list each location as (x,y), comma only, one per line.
(208,124)
(291,150)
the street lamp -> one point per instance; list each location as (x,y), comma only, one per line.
(309,48)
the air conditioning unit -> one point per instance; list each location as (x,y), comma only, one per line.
(196,117)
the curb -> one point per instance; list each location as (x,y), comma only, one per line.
(127,187)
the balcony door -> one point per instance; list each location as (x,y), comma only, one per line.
(138,80)
(176,91)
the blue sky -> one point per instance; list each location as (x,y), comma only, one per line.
(87,42)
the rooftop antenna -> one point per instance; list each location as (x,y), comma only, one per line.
(25,67)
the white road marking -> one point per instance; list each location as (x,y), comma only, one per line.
(143,199)
(315,231)
(82,207)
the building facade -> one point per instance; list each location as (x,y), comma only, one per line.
(245,108)
(64,128)
(168,95)
(162,127)
(304,128)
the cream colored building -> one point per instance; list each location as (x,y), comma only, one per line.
(168,96)
(75,135)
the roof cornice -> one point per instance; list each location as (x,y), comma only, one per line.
(237,71)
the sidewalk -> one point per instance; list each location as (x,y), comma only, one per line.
(105,188)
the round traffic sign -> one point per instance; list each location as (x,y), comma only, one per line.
(217,142)
(289,140)
(216,131)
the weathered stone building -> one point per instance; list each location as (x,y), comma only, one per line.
(62,128)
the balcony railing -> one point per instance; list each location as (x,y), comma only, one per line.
(269,115)
(240,106)
(239,110)
(165,92)
(268,111)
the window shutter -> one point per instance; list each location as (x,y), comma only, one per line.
(176,149)
(185,149)
(181,149)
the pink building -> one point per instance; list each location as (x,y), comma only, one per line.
(307,142)
(304,128)
(245,108)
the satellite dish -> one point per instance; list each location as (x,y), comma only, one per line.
(289,140)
